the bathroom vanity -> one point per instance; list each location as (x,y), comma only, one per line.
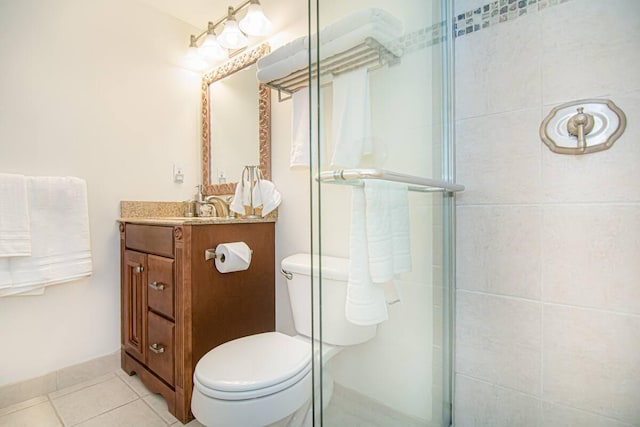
(176,306)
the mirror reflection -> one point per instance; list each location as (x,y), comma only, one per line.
(236,118)
(234,125)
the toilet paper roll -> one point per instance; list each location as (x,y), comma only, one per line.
(234,256)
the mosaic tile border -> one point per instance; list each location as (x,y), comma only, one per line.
(497,12)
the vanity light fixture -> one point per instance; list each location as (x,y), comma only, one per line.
(231,36)
(234,34)
(210,48)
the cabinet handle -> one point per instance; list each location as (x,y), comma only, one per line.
(157,286)
(156,348)
(139,269)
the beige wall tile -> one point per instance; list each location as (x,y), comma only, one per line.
(480,404)
(554,415)
(592,361)
(499,340)
(499,250)
(590,256)
(498,158)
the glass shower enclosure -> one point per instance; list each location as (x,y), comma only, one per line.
(381,76)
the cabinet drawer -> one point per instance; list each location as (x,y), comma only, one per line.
(160,287)
(160,339)
(152,239)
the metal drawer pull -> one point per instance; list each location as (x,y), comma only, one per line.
(156,348)
(157,286)
(139,269)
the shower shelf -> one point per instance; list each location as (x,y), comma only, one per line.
(415,183)
(370,53)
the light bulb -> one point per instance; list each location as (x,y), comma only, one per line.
(193,60)
(211,50)
(231,36)
(255,23)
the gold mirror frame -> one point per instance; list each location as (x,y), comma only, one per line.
(264,119)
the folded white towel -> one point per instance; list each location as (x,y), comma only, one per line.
(59,221)
(387,219)
(365,303)
(283,52)
(351,119)
(15,234)
(284,67)
(357,37)
(359,19)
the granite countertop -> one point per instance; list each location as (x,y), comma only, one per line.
(172,213)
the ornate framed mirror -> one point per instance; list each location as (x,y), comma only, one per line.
(236,123)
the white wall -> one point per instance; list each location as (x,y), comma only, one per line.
(548,299)
(396,367)
(90,89)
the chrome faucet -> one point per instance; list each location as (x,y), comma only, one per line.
(220,205)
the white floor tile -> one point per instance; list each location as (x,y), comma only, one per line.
(93,400)
(134,414)
(41,415)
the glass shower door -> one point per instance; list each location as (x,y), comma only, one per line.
(383,82)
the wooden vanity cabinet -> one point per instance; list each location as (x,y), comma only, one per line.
(176,306)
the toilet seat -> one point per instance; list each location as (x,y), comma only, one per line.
(253,366)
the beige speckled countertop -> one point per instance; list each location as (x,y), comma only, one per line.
(171,213)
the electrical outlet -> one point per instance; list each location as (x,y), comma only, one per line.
(178,173)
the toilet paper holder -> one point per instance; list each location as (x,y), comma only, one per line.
(211,254)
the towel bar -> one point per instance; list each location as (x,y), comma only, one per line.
(370,53)
(415,183)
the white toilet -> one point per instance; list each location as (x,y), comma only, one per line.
(260,379)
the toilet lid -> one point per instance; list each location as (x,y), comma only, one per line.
(253,366)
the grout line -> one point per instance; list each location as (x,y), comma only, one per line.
(549,303)
(542,400)
(55,411)
(550,204)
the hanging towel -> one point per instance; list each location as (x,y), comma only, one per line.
(240,198)
(60,242)
(365,303)
(266,195)
(15,235)
(387,219)
(351,127)
(305,125)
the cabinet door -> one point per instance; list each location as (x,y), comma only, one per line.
(161,347)
(134,304)
(160,290)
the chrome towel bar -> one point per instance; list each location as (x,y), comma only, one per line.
(415,183)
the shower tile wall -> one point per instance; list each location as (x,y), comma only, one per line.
(548,245)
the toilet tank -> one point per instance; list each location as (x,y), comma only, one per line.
(336,329)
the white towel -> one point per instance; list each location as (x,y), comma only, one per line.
(59,221)
(360,19)
(365,303)
(351,119)
(266,195)
(283,52)
(387,219)
(240,198)
(302,128)
(15,235)
(284,67)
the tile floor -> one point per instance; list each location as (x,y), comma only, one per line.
(111,400)
(118,400)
